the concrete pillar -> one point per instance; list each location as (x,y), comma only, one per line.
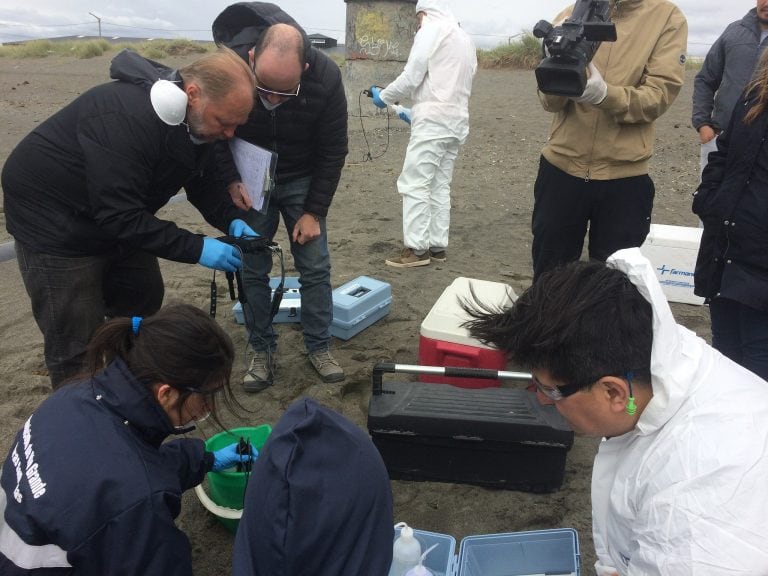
(379,36)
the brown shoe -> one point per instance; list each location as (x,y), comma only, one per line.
(437,255)
(408,259)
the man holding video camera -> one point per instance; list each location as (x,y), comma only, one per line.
(593,172)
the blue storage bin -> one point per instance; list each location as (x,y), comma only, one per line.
(442,559)
(551,552)
(290,305)
(358,304)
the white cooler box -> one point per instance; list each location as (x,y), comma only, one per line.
(672,250)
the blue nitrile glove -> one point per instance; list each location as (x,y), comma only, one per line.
(405,115)
(228,457)
(219,255)
(239,228)
(376,95)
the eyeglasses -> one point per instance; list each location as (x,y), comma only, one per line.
(209,396)
(267,91)
(556,393)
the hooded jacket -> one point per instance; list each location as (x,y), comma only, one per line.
(89,180)
(308,132)
(437,77)
(733,205)
(726,71)
(318,502)
(644,71)
(684,492)
(89,489)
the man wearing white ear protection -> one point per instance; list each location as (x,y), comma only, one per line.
(82,189)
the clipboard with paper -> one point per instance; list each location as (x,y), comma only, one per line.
(256,166)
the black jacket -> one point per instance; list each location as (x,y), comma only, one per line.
(318,502)
(89,489)
(308,132)
(732,202)
(89,179)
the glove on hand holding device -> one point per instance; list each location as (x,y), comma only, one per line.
(230,456)
(596,89)
(238,228)
(219,256)
(376,95)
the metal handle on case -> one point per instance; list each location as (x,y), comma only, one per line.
(451,371)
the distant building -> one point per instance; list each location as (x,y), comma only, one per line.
(322,41)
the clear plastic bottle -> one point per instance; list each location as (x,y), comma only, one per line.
(406,551)
(420,569)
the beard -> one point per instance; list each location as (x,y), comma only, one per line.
(196,128)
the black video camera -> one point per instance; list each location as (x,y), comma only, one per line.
(571,46)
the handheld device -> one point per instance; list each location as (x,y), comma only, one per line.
(571,46)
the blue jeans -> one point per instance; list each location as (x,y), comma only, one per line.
(72,296)
(741,333)
(312,262)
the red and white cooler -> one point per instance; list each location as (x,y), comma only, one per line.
(444,342)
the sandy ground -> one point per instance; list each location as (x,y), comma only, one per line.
(490,239)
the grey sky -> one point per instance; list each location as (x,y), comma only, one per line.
(490,22)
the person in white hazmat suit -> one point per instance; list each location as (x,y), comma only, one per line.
(680,481)
(437,79)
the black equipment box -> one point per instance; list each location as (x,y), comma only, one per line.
(497,437)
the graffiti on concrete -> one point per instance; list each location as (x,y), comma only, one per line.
(379,47)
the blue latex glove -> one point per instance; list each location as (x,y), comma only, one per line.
(228,457)
(239,228)
(405,115)
(219,255)
(376,95)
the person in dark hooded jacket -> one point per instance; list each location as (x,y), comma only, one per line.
(300,114)
(89,487)
(318,502)
(82,189)
(732,201)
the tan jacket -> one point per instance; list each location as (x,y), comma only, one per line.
(644,71)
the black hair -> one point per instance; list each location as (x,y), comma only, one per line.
(180,345)
(579,322)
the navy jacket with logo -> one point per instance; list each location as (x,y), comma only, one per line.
(90,489)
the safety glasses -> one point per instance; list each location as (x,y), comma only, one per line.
(556,393)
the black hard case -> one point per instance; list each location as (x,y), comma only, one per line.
(499,437)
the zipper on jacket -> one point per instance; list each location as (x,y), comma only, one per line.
(274,130)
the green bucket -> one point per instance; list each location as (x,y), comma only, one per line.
(228,486)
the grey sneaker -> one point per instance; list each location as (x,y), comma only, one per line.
(438,255)
(408,259)
(326,365)
(261,372)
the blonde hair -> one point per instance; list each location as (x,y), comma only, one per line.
(758,88)
(219,73)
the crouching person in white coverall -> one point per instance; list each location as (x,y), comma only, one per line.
(437,79)
(679,482)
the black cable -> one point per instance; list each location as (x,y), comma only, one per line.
(368,156)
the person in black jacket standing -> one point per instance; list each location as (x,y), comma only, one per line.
(732,202)
(82,189)
(89,486)
(300,114)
